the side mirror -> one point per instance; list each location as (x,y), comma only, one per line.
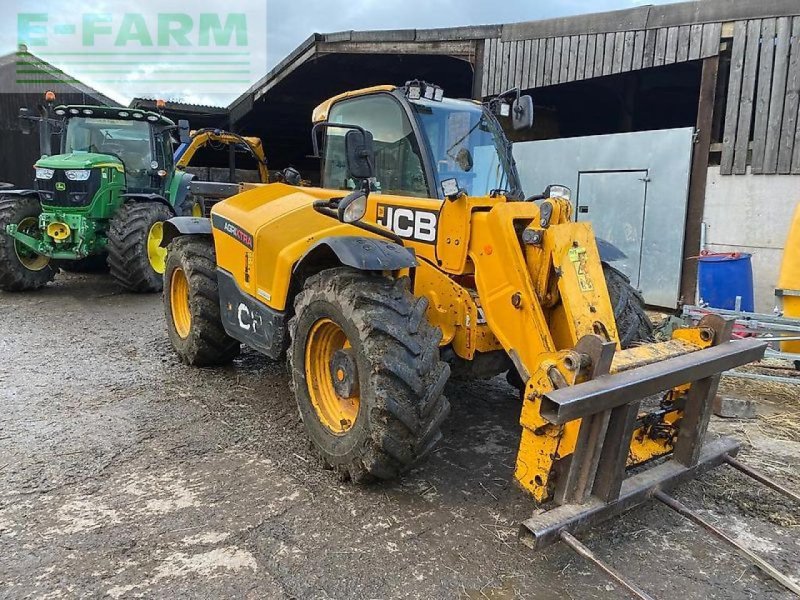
(24,121)
(291,176)
(360,154)
(522,113)
(184,132)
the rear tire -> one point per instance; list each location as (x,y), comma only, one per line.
(191,304)
(633,324)
(20,269)
(132,230)
(393,356)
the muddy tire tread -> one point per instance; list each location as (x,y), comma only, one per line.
(208,344)
(406,377)
(13,276)
(127,245)
(633,324)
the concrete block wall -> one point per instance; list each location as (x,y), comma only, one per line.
(752,213)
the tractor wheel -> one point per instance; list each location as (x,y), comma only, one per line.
(633,324)
(135,256)
(190,206)
(97,263)
(191,304)
(366,373)
(21,269)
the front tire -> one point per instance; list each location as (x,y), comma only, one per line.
(191,304)
(633,324)
(135,257)
(21,269)
(366,373)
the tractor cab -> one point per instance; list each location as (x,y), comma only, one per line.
(105,147)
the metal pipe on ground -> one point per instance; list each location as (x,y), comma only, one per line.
(685,511)
(583,551)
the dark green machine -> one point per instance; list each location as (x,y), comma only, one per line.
(101,200)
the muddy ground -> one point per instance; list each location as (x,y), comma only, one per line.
(125,474)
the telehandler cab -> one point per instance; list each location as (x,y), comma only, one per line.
(102,198)
(418,256)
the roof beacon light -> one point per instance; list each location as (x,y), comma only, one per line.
(160,104)
(50,96)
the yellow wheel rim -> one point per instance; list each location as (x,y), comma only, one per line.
(29,259)
(336,413)
(155,253)
(179,302)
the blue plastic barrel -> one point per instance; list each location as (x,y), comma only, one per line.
(724,276)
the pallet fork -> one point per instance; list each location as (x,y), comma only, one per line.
(595,487)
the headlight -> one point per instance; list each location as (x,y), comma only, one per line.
(42,173)
(355,209)
(558,191)
(79,175)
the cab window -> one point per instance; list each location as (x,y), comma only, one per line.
(398,161)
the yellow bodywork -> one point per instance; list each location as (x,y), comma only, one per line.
(789,279)
(203,138)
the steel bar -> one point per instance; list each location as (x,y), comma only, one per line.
(744,317)
(763,479)
(609,391)
(760,377)
(684,510)
(583,551)
(544,528)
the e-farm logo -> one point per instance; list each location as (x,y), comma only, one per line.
(154,47)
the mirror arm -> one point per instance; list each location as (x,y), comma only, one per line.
(329,209)
(324,124)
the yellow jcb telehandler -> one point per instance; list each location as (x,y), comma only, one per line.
(419,255)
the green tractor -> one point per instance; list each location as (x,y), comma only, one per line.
(101,200)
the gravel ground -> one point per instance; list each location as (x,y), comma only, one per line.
(126,474)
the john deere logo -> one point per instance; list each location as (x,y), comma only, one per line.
(61,186)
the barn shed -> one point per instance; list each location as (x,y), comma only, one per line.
(680,120)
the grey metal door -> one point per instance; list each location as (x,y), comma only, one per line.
(603,172)
(614,202)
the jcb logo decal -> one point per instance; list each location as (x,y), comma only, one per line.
(409,223)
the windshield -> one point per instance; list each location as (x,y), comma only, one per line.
(467,143)
(127,140)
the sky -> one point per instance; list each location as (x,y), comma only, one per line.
(288,23)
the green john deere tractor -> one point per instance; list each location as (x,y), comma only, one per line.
(102,199)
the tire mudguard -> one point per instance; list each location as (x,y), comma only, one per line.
(365,254)
(608,251)
(148,198)
(178,226)
(183,188)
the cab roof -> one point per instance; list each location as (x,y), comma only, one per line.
(108,112)
(321,112)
